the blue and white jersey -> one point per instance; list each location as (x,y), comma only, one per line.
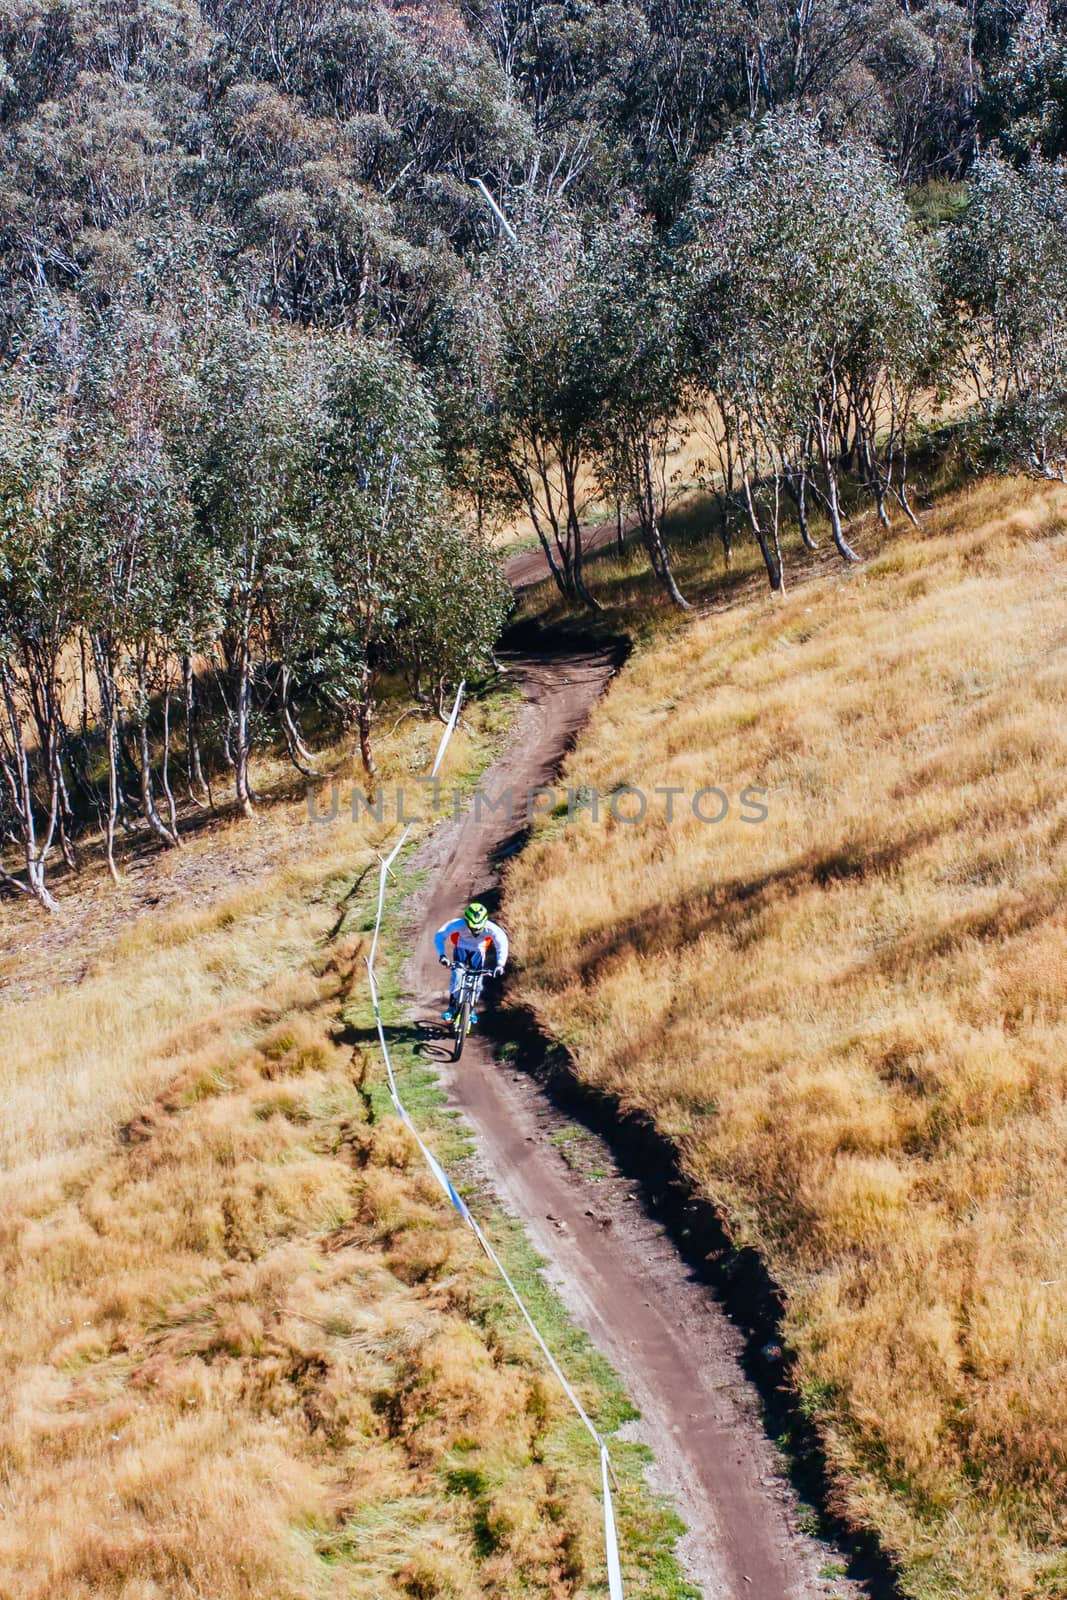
(456,939)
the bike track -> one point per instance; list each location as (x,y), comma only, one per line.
(665,1332)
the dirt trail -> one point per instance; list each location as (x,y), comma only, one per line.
(528,567)
(675,1348)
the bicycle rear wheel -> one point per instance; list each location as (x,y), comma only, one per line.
(462,1026)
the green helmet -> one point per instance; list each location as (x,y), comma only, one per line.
(476,916)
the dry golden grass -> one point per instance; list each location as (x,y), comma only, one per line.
(245,1348)
(103,994)
(236,1351)
(852,1017)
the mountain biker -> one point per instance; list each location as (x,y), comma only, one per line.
(466,941)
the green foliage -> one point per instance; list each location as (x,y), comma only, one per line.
(1026,101)
(805,270)
(409,587)
(277,369)
(1005,281)
(813,316)
(528,328)
(186,481)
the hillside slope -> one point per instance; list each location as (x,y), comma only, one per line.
(246,1348)
(851,1017)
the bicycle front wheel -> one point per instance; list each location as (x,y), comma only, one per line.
(462,1027)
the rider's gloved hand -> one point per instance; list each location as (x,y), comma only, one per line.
(498,972)
(444,961)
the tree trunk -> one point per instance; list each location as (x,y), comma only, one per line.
(20,786)
(84,686)
(144,765)
(560,571)
(57,777)
(109,708)
(668,579)
(112,793)
(774,531)
(172,809)
(878,479)
(569,470)
(148,799)
(726,539)
(834,502)
(774,573)
(829,467)
(40,664)
(194,767)
(299,754)
(651,533)
(242,735)
(899,426)
(366,754)
(902,496)
(796,481)
(559,561)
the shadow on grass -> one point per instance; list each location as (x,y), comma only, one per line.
(738,1278)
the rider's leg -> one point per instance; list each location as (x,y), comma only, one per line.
(453,985)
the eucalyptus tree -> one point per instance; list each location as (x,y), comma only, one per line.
(452,616)
(1023,107)
(537,300)
(378,502)
(1005,285)
(46,48)
(464,370)
(23,575)
(253,447)
(147,605)
(927,79)
(561,372)
(812,313)
(631,352)
(41,588)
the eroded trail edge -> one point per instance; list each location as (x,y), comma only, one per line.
(665,1331)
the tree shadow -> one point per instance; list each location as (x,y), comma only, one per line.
(727,903)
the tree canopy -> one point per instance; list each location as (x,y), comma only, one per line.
(298,304)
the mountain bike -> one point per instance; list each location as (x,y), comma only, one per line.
(464,1002)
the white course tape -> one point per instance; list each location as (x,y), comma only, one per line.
(611,1541)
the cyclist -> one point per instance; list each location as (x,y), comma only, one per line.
(466,941)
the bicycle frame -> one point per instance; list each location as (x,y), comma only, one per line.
(469,986)
(463,1001)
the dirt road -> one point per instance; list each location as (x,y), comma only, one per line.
(676,1350)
